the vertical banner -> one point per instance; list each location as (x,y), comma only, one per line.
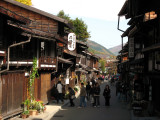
(71,41)
(131,47)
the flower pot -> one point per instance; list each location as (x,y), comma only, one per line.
(24,116)
(1,117)
(44,109)
(33,112)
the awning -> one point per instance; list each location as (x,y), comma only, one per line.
(83,66)
(62,60)
(81,70)
(150,48)
(95,70)
(126,32)
(140,61)
(69,52)
(89,69)
(133,31)
(82,43)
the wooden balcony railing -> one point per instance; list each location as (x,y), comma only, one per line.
(21,62)
(47,62)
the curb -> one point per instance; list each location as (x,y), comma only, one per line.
(51,114)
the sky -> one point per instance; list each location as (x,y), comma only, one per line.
(99,15)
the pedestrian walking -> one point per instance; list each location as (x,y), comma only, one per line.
(97,95)
(92,95)
(93,81)
(107,95)
(88,88)
(82,96)
(118,89)
(71,96)
(54,93)
(60,94)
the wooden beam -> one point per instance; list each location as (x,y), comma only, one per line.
(14,15)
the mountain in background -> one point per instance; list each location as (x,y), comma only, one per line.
(115,49)
(99,50)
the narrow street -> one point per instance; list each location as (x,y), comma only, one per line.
(116,111)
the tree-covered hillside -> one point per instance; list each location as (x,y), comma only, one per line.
(98,49)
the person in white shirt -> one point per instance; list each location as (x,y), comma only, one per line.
(60,94)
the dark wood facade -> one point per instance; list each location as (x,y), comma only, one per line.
(26,32)
(12,92)
(143,61)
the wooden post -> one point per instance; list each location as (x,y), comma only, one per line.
(0,94)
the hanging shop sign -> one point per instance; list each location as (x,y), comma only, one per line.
(71,41)
(67,81)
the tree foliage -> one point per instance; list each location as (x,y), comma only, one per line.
(61,14)
(79,27)
(103,64)
(26,2)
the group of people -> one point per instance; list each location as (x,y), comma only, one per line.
(122,90)
(92,93)
(89,93)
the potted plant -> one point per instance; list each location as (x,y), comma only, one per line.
(33,112)
(33,108)
(1,114)
(40,106)
(25,106)
(25,114)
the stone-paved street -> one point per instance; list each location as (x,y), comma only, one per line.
(117,110)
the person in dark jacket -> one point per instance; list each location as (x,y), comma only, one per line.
(107,95)
(71,96)
(88,88)
(82,96)
(54,93)
(93,81)
(92,94)
(118,89)
(97,95)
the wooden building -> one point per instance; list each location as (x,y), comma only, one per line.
(143,50)
(27,32)
(87,64)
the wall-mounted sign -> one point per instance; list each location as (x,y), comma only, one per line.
(71,41)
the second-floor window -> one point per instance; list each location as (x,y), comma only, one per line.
(42,49)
